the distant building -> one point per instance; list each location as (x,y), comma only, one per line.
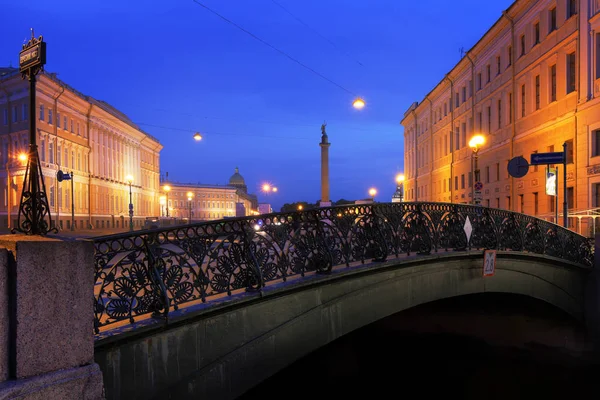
(88,137)
(264,208)
(531,83)
(208,202)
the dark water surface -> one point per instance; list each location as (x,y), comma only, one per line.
(380,361)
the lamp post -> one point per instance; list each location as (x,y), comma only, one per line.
(167,189)
(475,143)
(373,193)
(190,196)
(129,180)
(34,206)
(399,187)
(162,201)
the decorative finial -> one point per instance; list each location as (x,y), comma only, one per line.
(237,170)
(32,35)
(323,128)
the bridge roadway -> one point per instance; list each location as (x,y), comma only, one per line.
(224,349)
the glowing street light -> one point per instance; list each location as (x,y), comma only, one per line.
(300,207)
(190,196)
(274,189)
(399,178)
(266,187)
(129,179)
(167,189)
(373,193)
(475,143)
(197,137)
(22,157)
(358,103)
(162,201)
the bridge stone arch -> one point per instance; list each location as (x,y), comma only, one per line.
(222,351)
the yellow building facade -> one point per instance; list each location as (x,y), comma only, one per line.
(207,202)
(530,84)
(77,134)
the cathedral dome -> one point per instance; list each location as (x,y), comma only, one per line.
(237,180)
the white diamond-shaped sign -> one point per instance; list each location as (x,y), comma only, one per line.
(468,229)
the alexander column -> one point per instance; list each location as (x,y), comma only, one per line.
(325,201)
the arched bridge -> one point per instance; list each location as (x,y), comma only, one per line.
(214,308)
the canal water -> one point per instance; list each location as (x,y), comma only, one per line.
(379,361)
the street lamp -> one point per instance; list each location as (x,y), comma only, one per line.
(162,201)
(190,195)
(167,189)
(373,193)
(266,188)
(358,103)
(399,188)
(274,189)
(300,207)
(197,137)
(475,144)
(129,179)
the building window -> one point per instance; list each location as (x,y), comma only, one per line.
(596,195)
(456,100)
(50,117)
(537,92)
(65,125)
(489,73)
(464,94)
(522,203)
(522,45)
(479,121)
(510,108)
(50,152)
(42,112)
(499,114)
(571,8)
(445,109)
(5,113)
(552,20)
(489,119)
(498,64)
(43,150)
(15,114)
(479,74)
(509,56)
(72,130)
(553,83)
(596,143)
(569,151)
(487,174)
(456,183)
(58,120)
(464,134)
(462,181)
(570,198)
(522,101)
(535,204)
(24,112)
(536,33)
(457,139)
(571,72)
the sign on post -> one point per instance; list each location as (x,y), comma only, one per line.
(557,157)
(551,182)
(489,263)
(518,167)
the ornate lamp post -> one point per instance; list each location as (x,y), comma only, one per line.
(190,196)
(33,208)
(129,180)
(399,195)
(475,143)
(167,189)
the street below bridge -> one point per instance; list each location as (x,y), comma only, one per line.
(492,346)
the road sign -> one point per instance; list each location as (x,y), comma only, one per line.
(62,176)
(489,263)
(518,167)
(557,157)
(478,186)
(468,228)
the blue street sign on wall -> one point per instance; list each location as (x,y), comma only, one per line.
(557,157)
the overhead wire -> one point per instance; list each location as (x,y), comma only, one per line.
(316,32)
(273,47)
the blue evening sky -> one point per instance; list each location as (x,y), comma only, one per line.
(175,68)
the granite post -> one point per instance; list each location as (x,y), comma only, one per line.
(325,201)
(50,342)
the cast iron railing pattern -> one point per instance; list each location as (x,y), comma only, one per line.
(152,272)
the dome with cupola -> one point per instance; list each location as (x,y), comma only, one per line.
(237,180)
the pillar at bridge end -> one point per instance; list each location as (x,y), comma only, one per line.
(592,298)
(50,340)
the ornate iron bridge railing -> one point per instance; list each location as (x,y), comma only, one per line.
(149,273)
